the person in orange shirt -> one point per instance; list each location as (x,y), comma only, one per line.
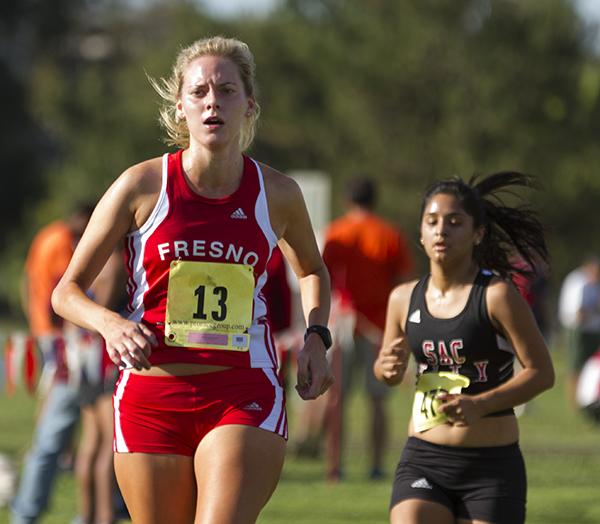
(366,257)
(48,257)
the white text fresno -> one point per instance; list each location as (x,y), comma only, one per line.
(202,248)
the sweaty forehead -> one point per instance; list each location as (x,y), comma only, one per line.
(444,204)
(215,69)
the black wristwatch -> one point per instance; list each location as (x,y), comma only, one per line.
(322,331)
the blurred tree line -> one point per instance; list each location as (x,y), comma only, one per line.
(407,91)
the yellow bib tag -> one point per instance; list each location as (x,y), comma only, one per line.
(429,385)
(209,305)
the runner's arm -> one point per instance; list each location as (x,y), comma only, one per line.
(297,242)
(514,319)
(394,355)
(113,217)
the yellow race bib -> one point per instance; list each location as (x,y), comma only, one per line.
(429,385)
(209,305)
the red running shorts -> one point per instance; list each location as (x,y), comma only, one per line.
(171,414)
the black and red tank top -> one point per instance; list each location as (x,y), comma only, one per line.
(187,229)
(467,344)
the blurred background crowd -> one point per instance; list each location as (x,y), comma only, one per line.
(407,92)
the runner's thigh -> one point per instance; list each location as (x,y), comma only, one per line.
(158,489)
(416,511)
(237,470)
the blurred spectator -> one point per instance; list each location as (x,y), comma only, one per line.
(579,315)
(366,257)
(97,490)
(588,387)
(48,257)
(61,346)
(533,287)
(278,296)
(277,293)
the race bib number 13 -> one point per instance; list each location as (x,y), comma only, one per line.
(429,385)
(209,305)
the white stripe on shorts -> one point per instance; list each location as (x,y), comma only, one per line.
(119,444)
(276,420)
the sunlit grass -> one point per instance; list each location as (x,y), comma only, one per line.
(560,447)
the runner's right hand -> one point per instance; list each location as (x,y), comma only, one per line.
(393,360)
(129,344)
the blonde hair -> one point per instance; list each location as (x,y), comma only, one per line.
(169,89)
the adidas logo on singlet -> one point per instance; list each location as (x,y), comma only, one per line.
(253,406)
(415,317)
(238,213)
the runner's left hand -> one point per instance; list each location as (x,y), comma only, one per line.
(314,372)
(461,410)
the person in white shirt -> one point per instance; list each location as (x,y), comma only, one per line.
(580,318)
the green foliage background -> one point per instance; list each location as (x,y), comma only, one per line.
(408,91)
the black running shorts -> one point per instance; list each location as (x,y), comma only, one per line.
(486,483)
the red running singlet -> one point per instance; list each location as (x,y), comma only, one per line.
(207,235)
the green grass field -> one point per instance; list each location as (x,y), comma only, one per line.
(561,449)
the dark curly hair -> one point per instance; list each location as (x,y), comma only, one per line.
(509,230)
